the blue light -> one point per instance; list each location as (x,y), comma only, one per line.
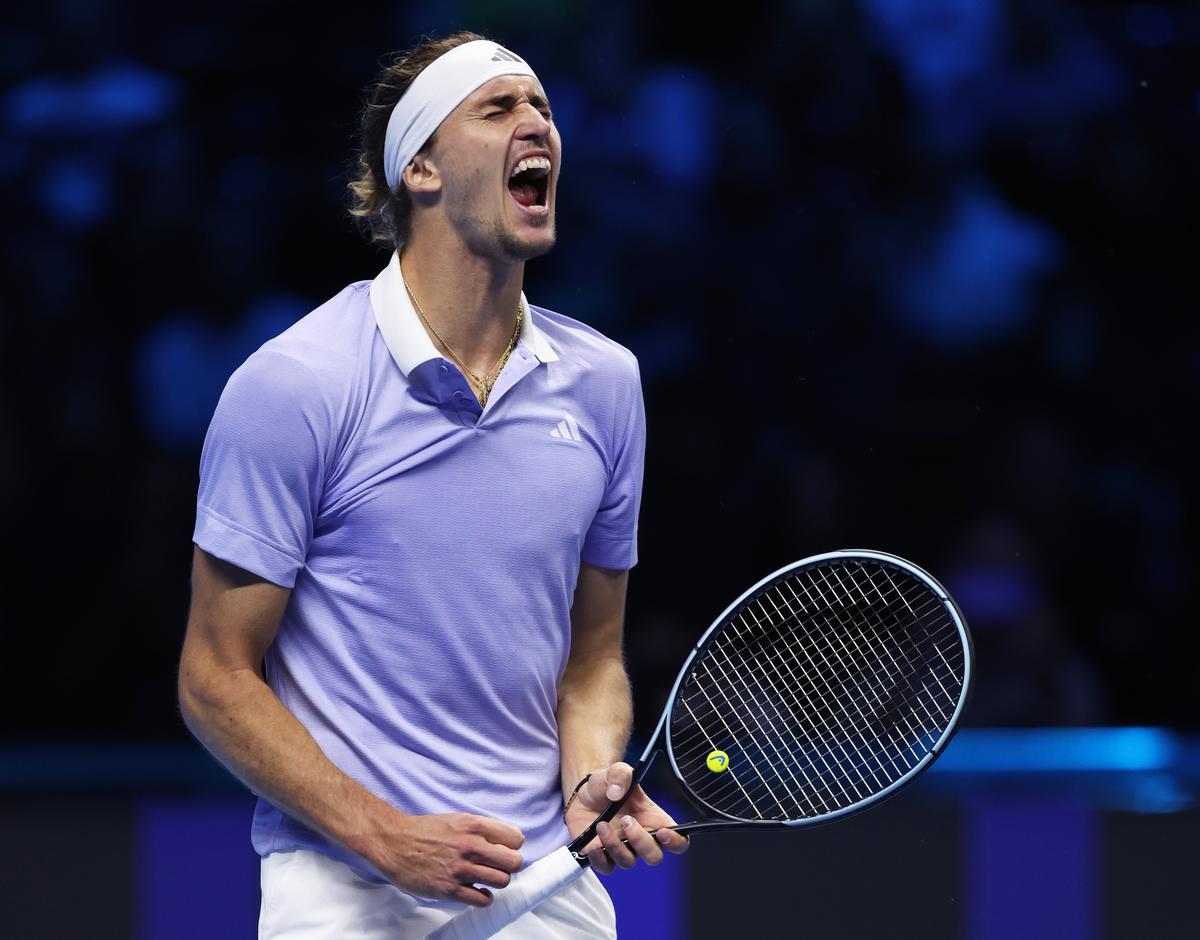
(1058,750)
(76,193)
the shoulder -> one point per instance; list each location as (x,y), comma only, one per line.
(317,359)
(576,341)
(328,339)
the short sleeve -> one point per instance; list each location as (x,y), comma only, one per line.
(262,467)
(611,540)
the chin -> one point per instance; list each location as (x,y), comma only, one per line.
(525,247)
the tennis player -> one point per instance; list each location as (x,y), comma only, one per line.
(416,516)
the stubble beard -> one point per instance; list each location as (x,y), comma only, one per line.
(497,239)
(515,249)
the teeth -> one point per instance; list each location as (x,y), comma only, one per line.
(530,163)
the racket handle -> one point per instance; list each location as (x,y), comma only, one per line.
(527,890)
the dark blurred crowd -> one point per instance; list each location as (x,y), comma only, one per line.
(912,275)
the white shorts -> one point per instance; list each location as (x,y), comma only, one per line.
(309,896)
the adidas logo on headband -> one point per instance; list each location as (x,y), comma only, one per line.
(503,55)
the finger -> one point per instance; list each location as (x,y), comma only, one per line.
(617,780)
(617,850)
(494,856)
(597,793)
(642,843)
(672,841)
(476,897)
(600,861)
(484,875)
(597,857)
(501,833)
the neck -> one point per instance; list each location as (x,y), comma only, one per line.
(470,301)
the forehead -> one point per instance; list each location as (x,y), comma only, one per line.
(501,85)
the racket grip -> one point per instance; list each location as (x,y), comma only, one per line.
(527,890)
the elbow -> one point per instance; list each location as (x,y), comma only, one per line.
(199,693)
(206,689)
(189,699)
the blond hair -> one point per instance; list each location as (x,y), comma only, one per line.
(382,216)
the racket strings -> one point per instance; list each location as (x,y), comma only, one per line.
(905,673)
(794,706)
(825,688)
(877,747)
(824,773)
(775,741)
(858,764)
(812,792)
(854,755)
(807,705)
(849,735)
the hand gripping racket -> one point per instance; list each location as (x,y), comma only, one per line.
(823,689)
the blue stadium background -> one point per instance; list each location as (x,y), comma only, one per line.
(916,275)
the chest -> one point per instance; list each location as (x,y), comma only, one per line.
(435,482)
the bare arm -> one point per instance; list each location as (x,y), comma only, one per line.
(595,715)
(595,705)
(228,706)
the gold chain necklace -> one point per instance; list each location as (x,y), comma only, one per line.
(485,384)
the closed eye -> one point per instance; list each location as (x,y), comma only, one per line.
(508,102)
(546,114)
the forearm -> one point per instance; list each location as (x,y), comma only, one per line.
(238,718)
(595,716)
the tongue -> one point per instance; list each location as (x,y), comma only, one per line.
(524,193)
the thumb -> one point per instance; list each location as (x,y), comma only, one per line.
(617,779)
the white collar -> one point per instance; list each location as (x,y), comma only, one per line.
(406,338)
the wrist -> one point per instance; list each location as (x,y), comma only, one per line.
(574,795)
(376,827)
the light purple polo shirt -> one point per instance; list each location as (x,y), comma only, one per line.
(432,547)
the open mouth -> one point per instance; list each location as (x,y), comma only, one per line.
(529,183)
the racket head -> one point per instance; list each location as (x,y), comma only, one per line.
(835,681)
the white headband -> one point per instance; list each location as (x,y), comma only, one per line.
(437,90)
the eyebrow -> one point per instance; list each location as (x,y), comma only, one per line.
(507,101)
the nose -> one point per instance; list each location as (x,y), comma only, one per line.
(533,122)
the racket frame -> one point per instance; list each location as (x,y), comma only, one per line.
(718,820)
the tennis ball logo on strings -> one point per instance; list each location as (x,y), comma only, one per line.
(718,761)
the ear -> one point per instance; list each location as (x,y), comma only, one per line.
(421,175)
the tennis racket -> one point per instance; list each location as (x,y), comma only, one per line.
(822,690)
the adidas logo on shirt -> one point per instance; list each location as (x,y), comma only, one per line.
(566,430)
